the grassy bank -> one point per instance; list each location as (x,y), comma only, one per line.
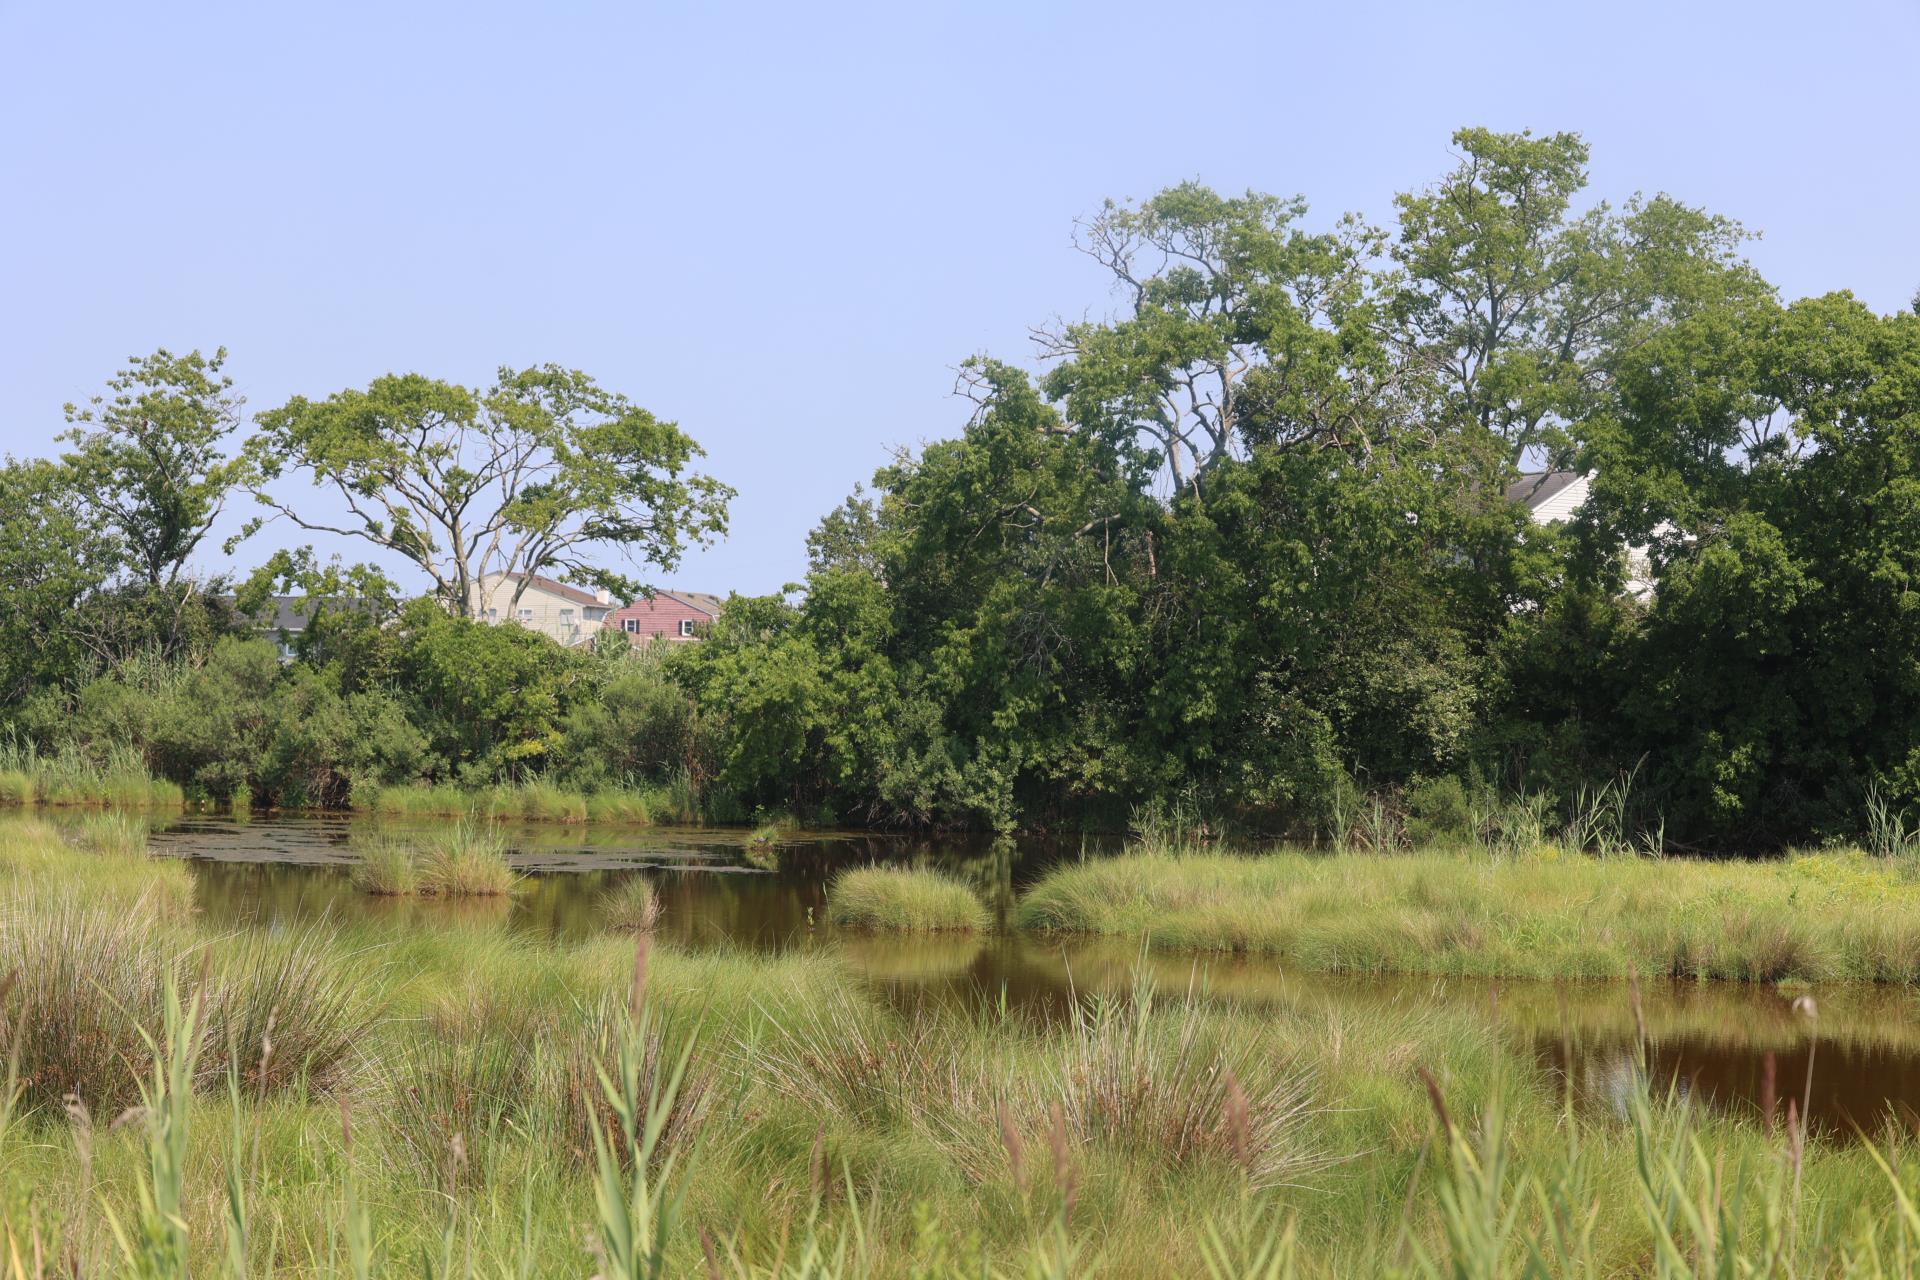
(364,1098)
(534,801)
(904,898)
(1826,917)
(69,779)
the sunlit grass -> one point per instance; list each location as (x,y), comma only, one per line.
(1831,916)
(904,898)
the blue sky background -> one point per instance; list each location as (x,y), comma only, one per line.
(784,225)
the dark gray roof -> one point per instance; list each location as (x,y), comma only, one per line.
(1535,487)
(290,613)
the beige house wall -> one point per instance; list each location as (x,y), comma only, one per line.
(567,615)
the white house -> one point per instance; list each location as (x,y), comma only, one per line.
(570,615)
(1554,496)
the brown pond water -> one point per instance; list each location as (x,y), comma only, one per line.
(1729,1046)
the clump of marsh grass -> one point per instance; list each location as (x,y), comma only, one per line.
(1168,1085)
(388,866)
(70,777)
(457,1081)
(611,1044)
(113,834)
(1148,1084)
(842,1057)
(419,801)
(633,907)
(1889,834)
(903,898)
(468,861)
(88,993)
(621,805)
(286,1009)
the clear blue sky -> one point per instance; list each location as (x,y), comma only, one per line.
(784,225)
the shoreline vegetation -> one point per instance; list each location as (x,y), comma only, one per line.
(538,802)
(349,1099)
(67,779)
(1827,916)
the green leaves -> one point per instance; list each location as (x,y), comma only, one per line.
(148,456)
(545,473)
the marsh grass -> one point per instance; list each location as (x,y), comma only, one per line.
(287,1010)
(904,898)
(88,988)
(388,865)
(68,778)
(631,907)
(607,1041)
(113,834)
(1149,1130)
(460,1080)
(467,861)
(535,801)
(1828,916)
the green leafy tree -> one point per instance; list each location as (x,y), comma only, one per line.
(52,558)
(149,456)
(1515,308)
(1241,327)
(543,473)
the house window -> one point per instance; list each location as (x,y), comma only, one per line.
(631,625)
(526,615)
(566,619)
(493,615)
(686,628)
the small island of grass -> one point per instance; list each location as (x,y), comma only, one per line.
(904,898)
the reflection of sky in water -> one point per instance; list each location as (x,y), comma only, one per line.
(1705,1041)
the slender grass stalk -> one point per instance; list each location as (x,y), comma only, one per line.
(155,1244)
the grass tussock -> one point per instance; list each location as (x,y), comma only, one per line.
(1830,916)
(904,898)
(388,865)
(632,907)
(85,993)
(467,861)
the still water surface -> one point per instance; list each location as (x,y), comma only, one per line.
(1732,1047)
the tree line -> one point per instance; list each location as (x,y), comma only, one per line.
(1243,545)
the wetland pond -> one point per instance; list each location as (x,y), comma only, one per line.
(1729,1046)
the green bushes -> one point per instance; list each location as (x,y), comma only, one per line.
(900,898)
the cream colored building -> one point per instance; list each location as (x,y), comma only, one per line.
(1554,496)
(571,615)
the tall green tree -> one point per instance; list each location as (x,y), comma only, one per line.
(150,456)
(546,472)
(1516,306)
(53,555)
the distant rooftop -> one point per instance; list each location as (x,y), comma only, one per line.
(1535,487)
